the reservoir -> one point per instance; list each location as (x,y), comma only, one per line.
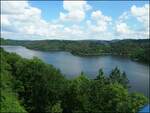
(71,66)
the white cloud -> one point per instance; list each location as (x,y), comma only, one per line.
(124,17)
(74,29)
(98,26)
(20,20)
(99,22)
(74,32)
(122,28)
(98,16)
(75,16)
(4,20)
(141,13)
(19,14)
(126,30)
(76,5)
(27,20)
(76,11)
(13,7)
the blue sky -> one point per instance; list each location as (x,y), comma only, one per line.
(100,20)
(113,8)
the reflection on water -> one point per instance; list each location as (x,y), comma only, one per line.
(72,66)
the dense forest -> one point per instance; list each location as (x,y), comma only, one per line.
(134,49)
(35,87)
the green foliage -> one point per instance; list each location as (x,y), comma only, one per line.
(134,49)
(136,101)
(8,98)
(101,77)
(117,77)
(10,103)
(36,87)
(100,74)
(112,98)
(57,108)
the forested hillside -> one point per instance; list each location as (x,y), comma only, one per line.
(135,49)
(35,87)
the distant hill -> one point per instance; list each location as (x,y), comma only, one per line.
(137,49)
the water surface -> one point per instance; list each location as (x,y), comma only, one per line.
(71,66)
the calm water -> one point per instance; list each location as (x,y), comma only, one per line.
(72,66)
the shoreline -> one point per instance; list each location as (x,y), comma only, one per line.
(83,55)
(92,55)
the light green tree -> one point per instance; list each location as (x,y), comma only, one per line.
(56,108)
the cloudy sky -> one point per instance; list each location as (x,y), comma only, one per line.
(74,20)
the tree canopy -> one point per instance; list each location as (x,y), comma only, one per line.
(35,87)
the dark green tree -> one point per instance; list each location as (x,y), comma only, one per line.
(117,77)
